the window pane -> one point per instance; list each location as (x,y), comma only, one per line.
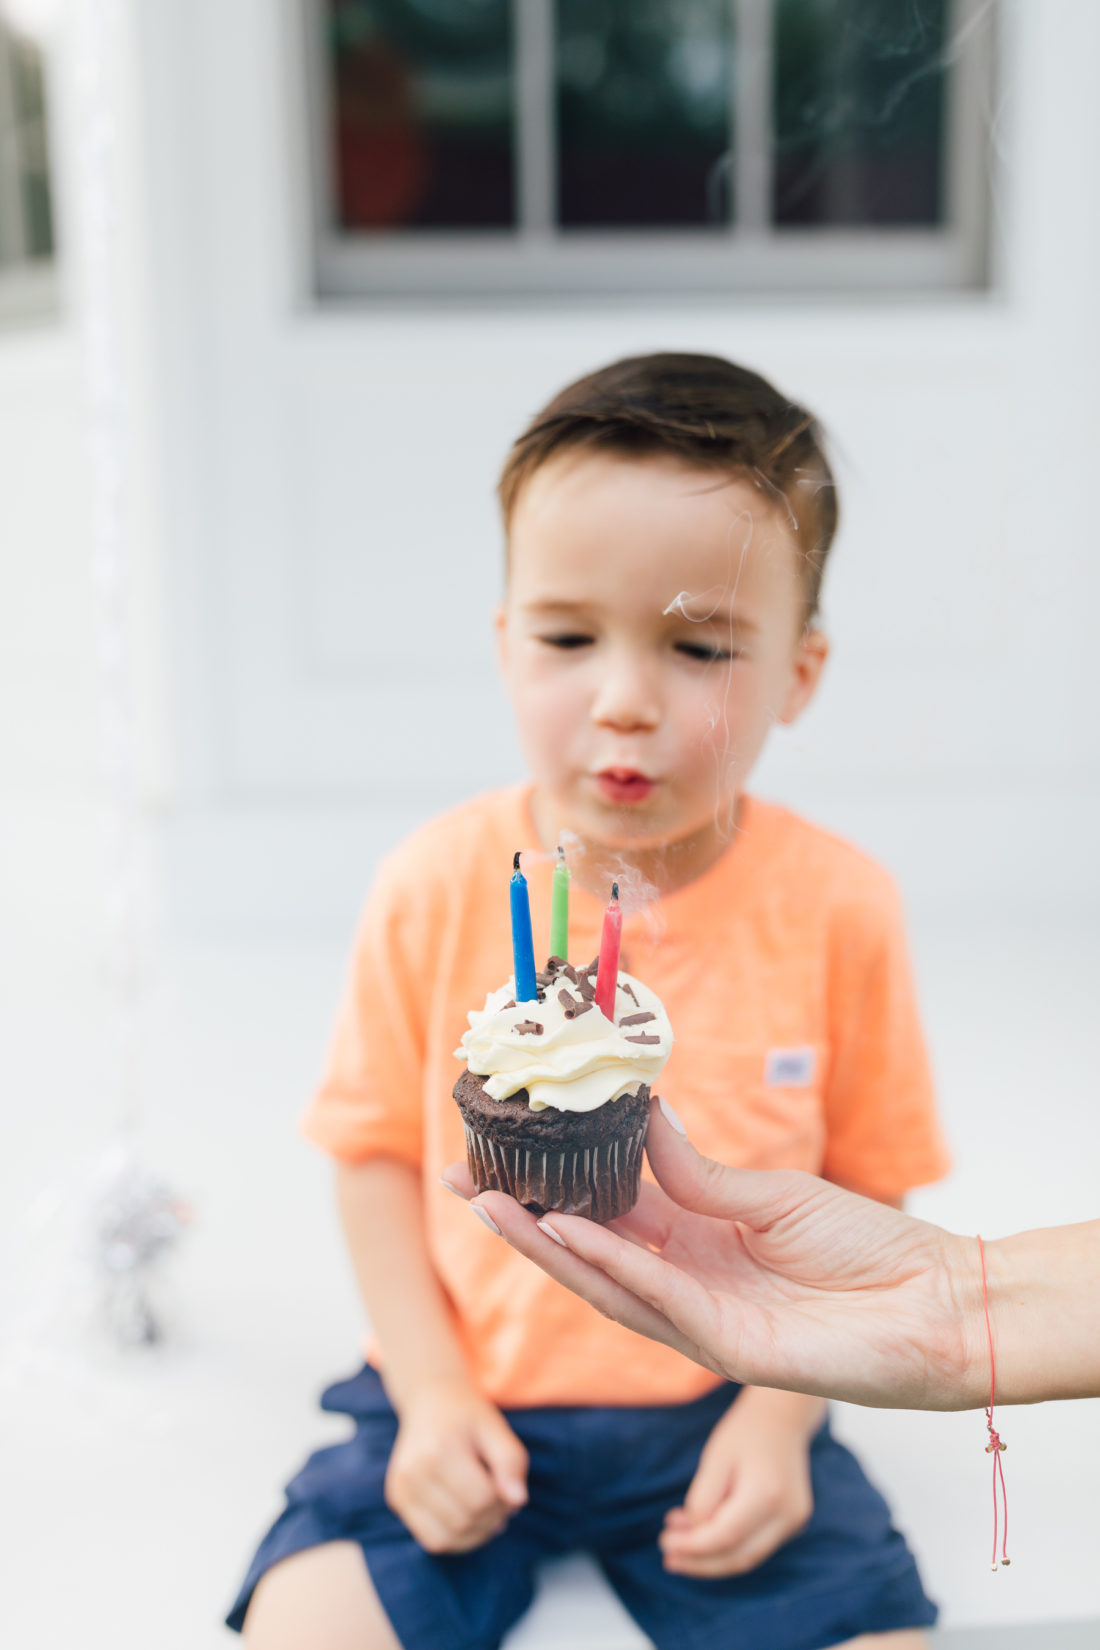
(644,117)
(422,113)
(26,215)
(859,109)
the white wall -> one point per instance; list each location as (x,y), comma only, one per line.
(304,479)
(57,808)
(48,727)
(335,551)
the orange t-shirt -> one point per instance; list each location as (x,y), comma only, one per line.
(786,980)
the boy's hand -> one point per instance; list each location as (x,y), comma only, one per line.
(457,1471)
(750,1494)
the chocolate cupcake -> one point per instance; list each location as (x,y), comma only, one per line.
(555,1097)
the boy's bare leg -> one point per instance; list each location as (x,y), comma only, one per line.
(911,1638)
(320,1599)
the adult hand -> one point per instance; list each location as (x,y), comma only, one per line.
(457,1471)
(775,1278)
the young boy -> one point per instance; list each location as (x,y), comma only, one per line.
(668,521)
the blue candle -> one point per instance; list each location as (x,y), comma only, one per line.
(523,946)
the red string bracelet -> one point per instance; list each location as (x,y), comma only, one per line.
(994,1446)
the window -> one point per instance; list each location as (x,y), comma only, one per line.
(549,146)
(26,211)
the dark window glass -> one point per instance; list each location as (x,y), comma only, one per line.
(422,109)
(26,213)
(644,117)
(859,111)
(30,112)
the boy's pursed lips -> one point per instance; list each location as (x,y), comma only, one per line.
(624,784)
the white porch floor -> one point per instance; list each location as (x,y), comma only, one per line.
(132,1493)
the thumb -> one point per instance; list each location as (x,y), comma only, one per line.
(756,1197)
(710,1486)
(505,1458)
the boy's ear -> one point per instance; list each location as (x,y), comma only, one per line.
(809,662)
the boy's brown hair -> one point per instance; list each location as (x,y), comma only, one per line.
(711,414)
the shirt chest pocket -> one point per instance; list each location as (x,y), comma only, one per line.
(754,1106)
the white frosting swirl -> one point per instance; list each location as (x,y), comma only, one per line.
(573,1064)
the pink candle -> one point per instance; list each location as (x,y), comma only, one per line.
(607,972)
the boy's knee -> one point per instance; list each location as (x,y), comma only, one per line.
(319,1599)
(909,1638)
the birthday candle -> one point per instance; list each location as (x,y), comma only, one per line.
(559,909)
(607,972)
(523,948)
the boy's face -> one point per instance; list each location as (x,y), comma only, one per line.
(652,634)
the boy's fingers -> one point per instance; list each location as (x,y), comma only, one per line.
(721,1531)
(729,1559)
(506,1459)
(431,1533)
(709,1488)
(434,1513)
(758,1197)
(468,1478)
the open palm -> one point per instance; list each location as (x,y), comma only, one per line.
(774,1278)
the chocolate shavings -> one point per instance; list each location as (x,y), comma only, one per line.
(572,1005)
(642,1037)
(629,991)
(637,1019)
(529,1028)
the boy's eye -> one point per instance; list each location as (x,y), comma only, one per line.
(708,655)
(566,639)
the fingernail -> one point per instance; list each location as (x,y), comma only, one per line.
(453,1189)
(485,1217)
(670,1116)
(516,1493)
(550,1232)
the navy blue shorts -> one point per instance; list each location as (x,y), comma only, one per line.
(601,1481)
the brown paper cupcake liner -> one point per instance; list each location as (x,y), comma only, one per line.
(600,1182)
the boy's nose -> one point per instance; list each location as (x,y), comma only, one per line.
(627,698)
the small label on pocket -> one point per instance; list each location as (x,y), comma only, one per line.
(789,1068)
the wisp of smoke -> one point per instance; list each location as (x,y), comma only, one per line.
(637,895)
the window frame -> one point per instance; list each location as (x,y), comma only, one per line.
(753,257)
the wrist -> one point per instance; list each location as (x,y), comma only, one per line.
(1040,1289)
(790,1416)
(1044,1308)
(439,1387)
(962,1368)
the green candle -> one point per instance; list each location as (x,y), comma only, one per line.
(559,909)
